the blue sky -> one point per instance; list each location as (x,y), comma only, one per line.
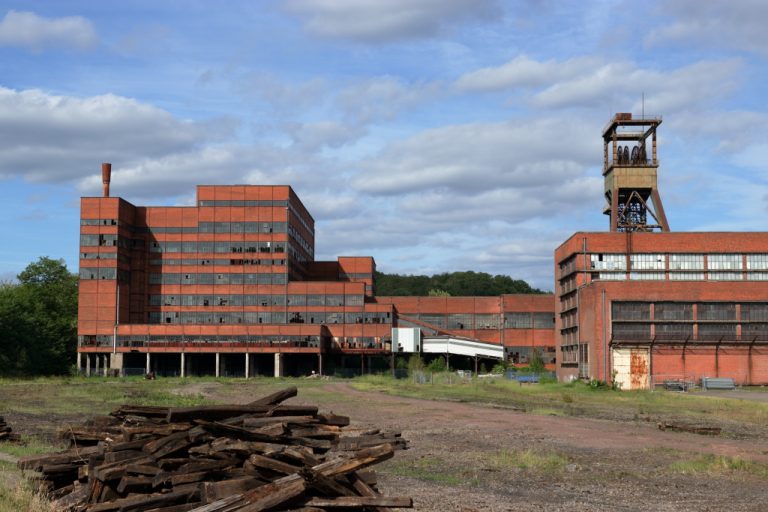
(434,135)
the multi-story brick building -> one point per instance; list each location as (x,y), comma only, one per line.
(642,307)
(231,286)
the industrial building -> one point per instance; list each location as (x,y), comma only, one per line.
(641,304)
(230,286)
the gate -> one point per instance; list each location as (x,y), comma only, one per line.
(631,367)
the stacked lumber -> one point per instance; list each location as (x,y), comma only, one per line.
(261,456)
(6,433)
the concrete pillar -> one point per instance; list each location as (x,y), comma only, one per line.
(149,366)
(247,365)
(79,362)
(320,363)
(116,362)
(218,365)
(279,365)
(87,365)
(98,364)
(183,357)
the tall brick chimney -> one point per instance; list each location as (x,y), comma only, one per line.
(106,177)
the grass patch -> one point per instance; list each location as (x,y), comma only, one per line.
(16,493)
(720,465)
(532,460)
(31,446)
(429,469)
(576,399)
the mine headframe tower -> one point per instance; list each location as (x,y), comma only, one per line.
(631,187)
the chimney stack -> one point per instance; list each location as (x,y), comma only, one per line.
(106,176)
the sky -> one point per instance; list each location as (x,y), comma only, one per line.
(433,135)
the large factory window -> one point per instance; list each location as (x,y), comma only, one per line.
(646,261)
(757,261)
(631,310)
(686,262)
(673,311)
(724,262)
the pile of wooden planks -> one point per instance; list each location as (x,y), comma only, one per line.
(261,456)
(5,432)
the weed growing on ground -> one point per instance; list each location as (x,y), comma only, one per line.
(531,460)
(720,465)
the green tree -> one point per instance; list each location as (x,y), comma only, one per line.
(455,283)
(38,320)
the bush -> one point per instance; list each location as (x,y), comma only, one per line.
(437,365)
(536,364)
(499,369)
(415,364)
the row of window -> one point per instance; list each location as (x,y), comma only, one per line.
(256,300)
(267,317)
(680,276)
(231,261)
(512,320)
(218,247)
(236,202)
(705,311)
(206,278)
(706,332)
(679,261)
(106,273)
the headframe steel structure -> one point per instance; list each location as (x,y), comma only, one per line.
(630,175)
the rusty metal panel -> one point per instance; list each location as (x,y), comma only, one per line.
(631,366)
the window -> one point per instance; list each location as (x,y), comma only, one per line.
(608,261)
(757,261)
(518,321)
(673,311)
(757,276)
(543,321)
(459,321)
(674,331)
(487,321)
(89,240)
(724,262)
(622,331)
(646,262)
(631,310)
(716,311)
(646,276)
(686,262)
(754,312)
(686,276)
(725,276)
(609,276)
(713,332)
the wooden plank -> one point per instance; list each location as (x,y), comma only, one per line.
(361,501)
(276,397)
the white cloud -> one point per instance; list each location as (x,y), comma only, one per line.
(28,30)
(382,98)
(523,71)
(622,83)
(474,157)
(737,24)
(46,137)
(376,21)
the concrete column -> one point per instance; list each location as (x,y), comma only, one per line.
(87,365)
(116,362)
(183,357)
(149,366)
(98,364)
(247,365)
(279,365)
(320,363)
(79,362)
(218,365)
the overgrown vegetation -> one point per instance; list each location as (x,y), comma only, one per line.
(38,320)
(532,460)
(454,283)
(720,465)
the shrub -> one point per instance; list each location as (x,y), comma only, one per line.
(437,365)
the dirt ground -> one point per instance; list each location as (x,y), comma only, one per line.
(464,457)
(610,465)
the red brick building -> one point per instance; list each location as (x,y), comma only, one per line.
(641,307)
(230,286)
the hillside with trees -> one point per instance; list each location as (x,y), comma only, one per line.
(38,320)
(454,283)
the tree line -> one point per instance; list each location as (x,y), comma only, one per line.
(453,283)
(38,320)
